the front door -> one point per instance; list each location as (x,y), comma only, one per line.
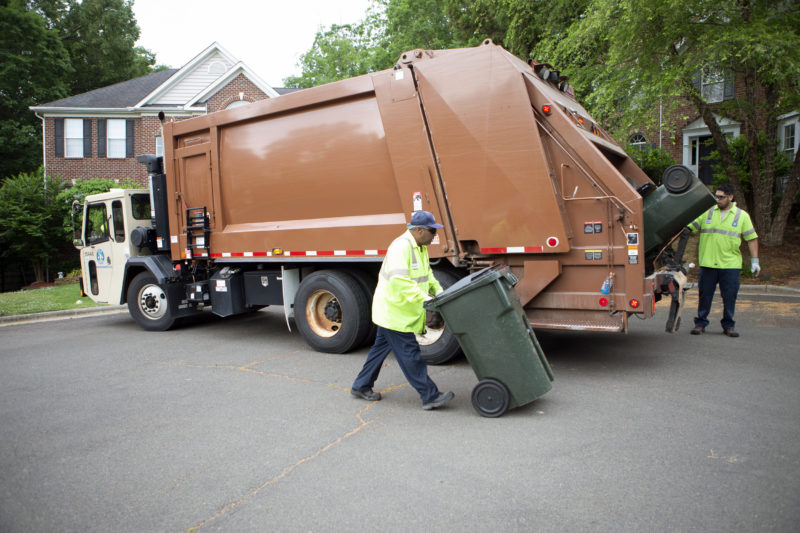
(705,171)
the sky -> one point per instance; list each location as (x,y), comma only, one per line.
(267,35)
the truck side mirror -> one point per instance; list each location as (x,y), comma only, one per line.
(78,243)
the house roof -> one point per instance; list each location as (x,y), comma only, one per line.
(120,95)
(181,91)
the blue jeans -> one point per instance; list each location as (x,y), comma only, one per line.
(406,351)
(707,280)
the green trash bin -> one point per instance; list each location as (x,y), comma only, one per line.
(484,313)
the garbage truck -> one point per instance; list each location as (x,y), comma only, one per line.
(293,201)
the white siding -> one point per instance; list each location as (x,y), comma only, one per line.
(196,81)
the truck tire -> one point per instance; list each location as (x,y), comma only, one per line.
(438,346)
(148,303)
(332,312)
(367,281)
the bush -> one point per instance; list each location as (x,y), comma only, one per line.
(31,221)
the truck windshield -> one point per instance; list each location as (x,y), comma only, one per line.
(140,206)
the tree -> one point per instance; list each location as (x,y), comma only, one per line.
(631,55)
(31,220)
(100,37)
(33,70)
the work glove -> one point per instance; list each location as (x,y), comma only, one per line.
(433,320)
(755,268)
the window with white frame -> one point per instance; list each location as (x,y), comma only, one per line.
(116,139)
(715,85)
(638,141)
(788,138)
(73,137)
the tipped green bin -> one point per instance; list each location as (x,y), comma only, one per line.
(483,311)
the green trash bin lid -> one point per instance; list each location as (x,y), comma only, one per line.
(473,281)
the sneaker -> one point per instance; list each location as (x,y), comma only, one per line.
(698,330)
(439,401)
(731,332)
(366,394)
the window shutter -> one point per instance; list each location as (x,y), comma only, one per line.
(698,76)
(58,137)
(87,137)
(101,137)
(129,138)
(728,85)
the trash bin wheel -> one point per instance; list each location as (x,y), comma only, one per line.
(490,398)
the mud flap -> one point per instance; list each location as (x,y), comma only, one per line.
(290,281)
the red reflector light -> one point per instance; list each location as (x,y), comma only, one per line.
(634,303)
(177,267)
(552,242)
(603,301)
(546,109)
(580,119)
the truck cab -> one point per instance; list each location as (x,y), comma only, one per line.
(105,240)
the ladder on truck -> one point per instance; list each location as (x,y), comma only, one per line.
(197,232)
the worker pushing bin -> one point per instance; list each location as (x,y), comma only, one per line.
(484,313)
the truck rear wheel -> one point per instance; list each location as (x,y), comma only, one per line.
(439,346)
(148,303)
(332,311)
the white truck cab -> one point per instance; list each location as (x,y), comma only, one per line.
(108,219)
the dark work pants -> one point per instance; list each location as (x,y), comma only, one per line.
(406,351)
(707,281)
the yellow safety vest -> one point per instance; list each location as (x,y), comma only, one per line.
(720,238)
(405,282)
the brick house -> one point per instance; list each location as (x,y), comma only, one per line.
(687,138)
(97,134)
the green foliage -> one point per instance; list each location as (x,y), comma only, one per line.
(100,36)
(31,218)
(653,162)
(740,149)
(33,68)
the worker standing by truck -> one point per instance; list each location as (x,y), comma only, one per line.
(721,230)
(405,282)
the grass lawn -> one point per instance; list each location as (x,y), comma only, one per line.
(56,298)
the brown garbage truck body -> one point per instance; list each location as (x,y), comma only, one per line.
(293,201)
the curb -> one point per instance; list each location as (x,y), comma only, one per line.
(56,315)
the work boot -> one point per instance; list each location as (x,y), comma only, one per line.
(439,401)
(698,330)
(731,332)
(368,394)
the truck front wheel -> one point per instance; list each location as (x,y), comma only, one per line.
(148,303)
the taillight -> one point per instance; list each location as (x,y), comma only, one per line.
(603,301)
(634,303)
(546,109)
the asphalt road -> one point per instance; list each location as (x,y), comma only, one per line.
(235,425)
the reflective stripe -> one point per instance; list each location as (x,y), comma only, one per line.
(695,224)
(748,232)
(420,279)
(721,232)
(709,215)
(736,218)
(396,272)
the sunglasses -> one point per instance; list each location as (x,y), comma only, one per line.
(720,196)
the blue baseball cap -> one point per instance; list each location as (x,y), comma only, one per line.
(423,219)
